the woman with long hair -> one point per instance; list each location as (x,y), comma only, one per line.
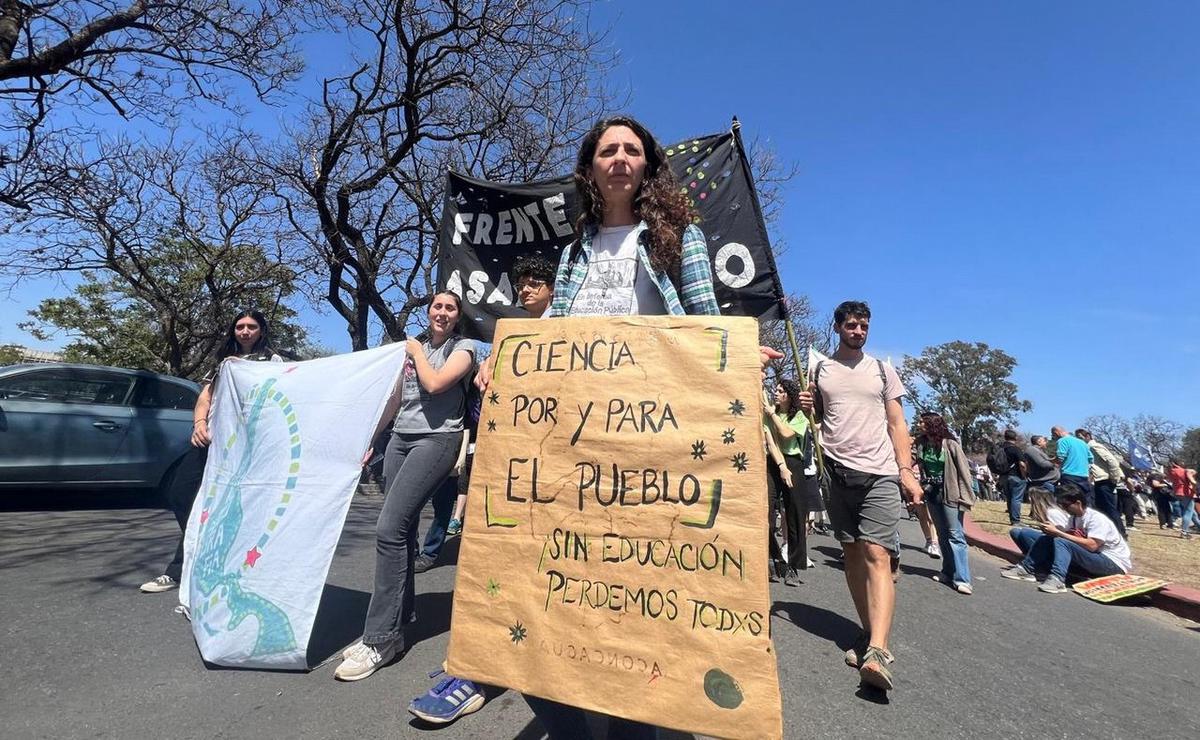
(421,450)
(949,494)
(804,494)
(249,338)
(639,250)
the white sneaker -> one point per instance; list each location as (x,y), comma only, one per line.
(354,646)
(933,551)
(160,584)
(364,660)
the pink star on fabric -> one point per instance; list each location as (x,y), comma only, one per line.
(204,516)
(252,556)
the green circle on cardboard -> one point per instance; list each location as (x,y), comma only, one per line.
(722,690)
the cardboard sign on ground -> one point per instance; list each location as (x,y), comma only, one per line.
(1107,589)
(615,549)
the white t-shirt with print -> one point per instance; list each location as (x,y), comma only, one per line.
(1113,546)
(616,283)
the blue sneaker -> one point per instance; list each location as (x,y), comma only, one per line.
(450,699)
(454,527)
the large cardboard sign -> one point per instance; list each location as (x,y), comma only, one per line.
(615,556)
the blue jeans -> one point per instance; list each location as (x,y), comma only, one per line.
(1014,493)
(1024,537)
(1187,512)
(443,506)
(1084,484)
(1058,555)
(1106,503)
(948,521)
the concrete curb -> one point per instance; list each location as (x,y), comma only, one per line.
(1179,600)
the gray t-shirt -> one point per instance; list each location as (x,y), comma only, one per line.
(422,412)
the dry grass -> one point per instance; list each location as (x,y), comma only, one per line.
(1158,553)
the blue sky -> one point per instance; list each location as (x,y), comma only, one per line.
(1022,174)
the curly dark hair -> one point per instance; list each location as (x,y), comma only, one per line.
(658,200)
(792,389)
(933,430)
(532,266)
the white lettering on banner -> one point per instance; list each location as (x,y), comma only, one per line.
(515,225)
(462,224)
(483,225)
(503,292)
(504,227)
(721,265)
(558,219)
(477,283)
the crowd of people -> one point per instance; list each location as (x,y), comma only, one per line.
(640,253)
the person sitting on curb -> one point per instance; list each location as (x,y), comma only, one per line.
(1043,509)
(1090,543)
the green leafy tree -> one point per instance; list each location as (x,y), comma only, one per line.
(10,354)
(1189,451)
(970,384)
(177,326)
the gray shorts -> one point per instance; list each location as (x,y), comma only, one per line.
(864,507)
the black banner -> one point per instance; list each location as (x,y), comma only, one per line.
(487,225)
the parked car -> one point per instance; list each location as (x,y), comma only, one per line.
(77,426)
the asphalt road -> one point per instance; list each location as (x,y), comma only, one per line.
(84,654)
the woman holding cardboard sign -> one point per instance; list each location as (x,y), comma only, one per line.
(421,451)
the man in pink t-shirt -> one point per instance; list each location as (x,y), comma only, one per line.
(868,455)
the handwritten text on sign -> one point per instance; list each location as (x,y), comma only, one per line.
(615,554)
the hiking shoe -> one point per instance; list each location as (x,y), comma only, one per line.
(364,660)
(1052,585)
(855,654)
(964,588)
(932,550)
(454,527)
(874,670)
(160,584)
(791,578)
(422,563)
(1017,573)
(450,699)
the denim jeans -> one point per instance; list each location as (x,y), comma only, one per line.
(414,465)
(1014,493)
(1164,508)
(444,499)
(1024,537)
(1187,512)
(948,521)
(1058,555)
(1106,503)
(564,722)
(1083,484)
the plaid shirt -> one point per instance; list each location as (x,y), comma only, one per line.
(695,275)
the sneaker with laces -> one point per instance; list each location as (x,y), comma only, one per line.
(1052,585)
(454,527)
(1018,573)
(422,563)
(791,577)
(932,550)
(855,654)
(448,700)
(364,660)
(874,669)
(160,584)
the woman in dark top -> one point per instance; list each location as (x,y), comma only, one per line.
(248,338)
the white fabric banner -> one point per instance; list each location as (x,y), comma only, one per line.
(287,446)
